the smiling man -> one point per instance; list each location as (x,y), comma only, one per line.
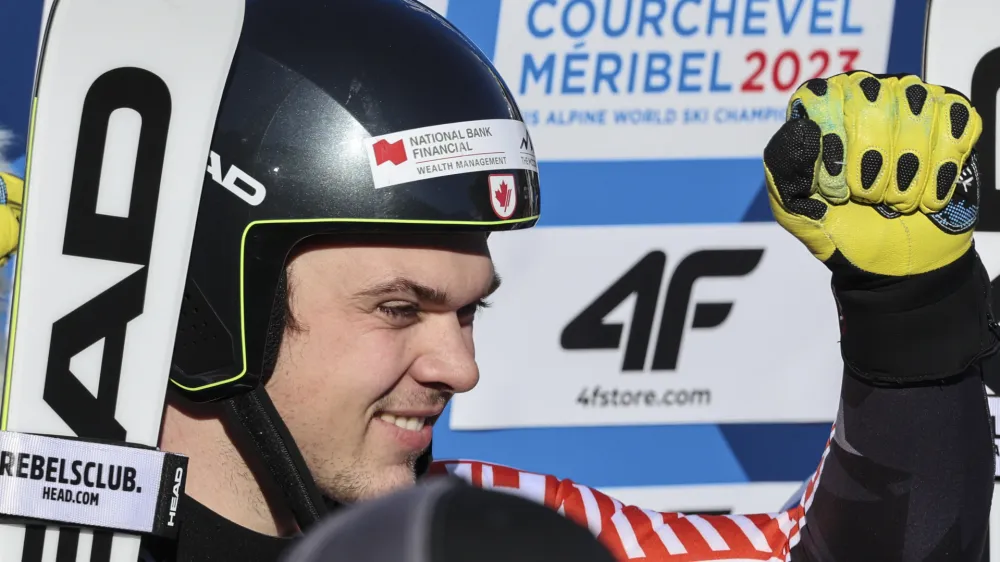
(328,316)
(380,328)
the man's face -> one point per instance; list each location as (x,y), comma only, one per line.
(383,340)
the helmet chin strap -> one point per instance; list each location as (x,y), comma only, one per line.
(253,416)
(256,426)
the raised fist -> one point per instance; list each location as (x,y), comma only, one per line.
(867,171)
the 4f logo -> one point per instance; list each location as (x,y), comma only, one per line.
(644,280)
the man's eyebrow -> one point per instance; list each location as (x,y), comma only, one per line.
(419,290)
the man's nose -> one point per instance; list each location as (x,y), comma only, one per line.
(447,357)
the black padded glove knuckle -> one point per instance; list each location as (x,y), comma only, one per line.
(915,98)
(817,86)
(833,154)
(871,166)
(947,174)
(959,119)
(871,88)
(906,169)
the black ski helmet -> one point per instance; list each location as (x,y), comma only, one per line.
(338,115)
(311,80)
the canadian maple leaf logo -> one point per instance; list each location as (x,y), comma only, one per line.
(503,194)
(386,151)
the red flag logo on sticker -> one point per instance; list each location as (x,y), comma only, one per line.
(503,195)
(386,151)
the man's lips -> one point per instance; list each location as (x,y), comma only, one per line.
(413,420)
(412,431)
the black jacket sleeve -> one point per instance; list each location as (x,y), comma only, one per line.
(910,470)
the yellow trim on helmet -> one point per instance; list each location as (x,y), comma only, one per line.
(243,343)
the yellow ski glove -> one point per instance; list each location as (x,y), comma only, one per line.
(876,175)
(887,153)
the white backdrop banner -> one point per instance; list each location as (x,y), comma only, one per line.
(655,324)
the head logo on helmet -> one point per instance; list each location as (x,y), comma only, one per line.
(257,192)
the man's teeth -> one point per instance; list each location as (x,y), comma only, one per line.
(413,424)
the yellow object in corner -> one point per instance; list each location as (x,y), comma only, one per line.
(12,189)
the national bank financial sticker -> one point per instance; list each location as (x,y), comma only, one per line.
(444,150)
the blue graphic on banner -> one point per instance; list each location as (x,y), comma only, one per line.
(648,191)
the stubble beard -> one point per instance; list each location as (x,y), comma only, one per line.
(362,479)
(360,482)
